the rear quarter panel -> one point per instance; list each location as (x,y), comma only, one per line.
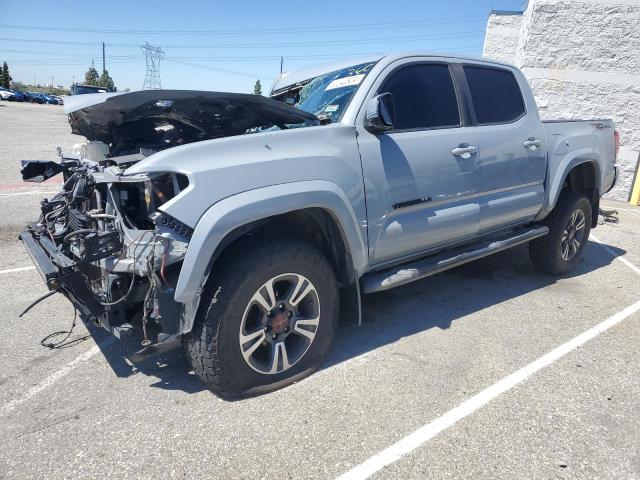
(573,142)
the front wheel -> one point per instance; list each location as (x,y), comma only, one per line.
(267,317)
(569,226)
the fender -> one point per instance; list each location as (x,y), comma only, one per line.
(232,212)
(558,175)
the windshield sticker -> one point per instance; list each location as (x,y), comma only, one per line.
(345,82)
(331,108)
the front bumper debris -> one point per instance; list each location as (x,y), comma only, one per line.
(56,269)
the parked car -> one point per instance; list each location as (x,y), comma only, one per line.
(19,96)
(360,177)
(50,99)
(58,99)
(35,97)
(7,95)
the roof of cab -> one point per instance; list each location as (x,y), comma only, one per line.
(305,73)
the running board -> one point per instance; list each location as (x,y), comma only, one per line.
(410,272)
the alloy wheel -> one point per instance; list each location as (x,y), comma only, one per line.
(572,235)
(280,323)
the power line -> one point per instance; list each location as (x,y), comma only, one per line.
(222,70)
(57,42)
(253,30)
(377,40)
(66,61)
(300,57)
(62,54)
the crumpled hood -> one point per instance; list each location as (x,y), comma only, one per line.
(166,118)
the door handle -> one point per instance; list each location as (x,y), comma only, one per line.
(464,152)
(531,143)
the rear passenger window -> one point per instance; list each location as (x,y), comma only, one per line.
(424,97)
(495,93)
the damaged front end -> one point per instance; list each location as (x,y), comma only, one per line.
(103,243)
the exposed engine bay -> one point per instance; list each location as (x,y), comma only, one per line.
(122,253)
(103,240)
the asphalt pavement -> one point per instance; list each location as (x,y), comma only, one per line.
(423,351)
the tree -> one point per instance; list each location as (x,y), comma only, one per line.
(5,78)
(257,88)
(91,77)
(106,81)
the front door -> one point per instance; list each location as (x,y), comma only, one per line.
(421,177)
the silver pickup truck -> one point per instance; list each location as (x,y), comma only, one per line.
(243,227)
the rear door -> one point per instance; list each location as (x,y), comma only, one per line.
(420,194)
(511,163)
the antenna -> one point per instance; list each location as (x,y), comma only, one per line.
(152,76)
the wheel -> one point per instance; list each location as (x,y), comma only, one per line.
(569,226)
(266,318)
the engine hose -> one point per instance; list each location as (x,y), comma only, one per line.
(67,238)
(123,297)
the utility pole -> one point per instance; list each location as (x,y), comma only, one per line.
(103,63)
(281,63)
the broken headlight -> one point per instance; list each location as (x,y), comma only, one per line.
(161,188)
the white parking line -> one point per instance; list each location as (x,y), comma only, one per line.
(425,433)
(31,192)
(53,378)
(19,269)
(617,257)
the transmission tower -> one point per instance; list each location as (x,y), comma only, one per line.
(152,76)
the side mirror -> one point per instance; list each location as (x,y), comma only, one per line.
(380,115)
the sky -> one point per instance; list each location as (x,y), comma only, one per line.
(226,46)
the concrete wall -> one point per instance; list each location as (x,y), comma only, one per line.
(501,36)
(582,58)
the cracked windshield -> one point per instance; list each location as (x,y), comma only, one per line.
(328,95)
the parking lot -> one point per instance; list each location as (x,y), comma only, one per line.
(490,370)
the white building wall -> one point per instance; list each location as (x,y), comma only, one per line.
(501,36)
(582,58)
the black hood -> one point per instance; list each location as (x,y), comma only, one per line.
(165,118)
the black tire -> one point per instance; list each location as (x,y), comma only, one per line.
(213,346)
(547,252)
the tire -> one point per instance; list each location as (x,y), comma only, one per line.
(230,308)
(557,252)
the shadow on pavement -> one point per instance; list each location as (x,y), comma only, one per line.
(439,300)
(435,302)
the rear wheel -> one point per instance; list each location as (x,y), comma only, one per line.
(569,226)
(267,317)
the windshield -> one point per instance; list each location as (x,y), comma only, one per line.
(83,89)
(326,95)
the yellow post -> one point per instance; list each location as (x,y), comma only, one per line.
(635,192)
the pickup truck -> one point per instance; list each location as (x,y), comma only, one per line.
(242,227)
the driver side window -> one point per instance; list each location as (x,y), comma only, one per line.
(424,97)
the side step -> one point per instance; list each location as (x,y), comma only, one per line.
(410,272)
